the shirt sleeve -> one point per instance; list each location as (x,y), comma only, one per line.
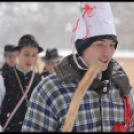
(39,116)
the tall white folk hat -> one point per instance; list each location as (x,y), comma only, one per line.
(95,23)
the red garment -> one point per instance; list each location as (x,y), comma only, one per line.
(127,117)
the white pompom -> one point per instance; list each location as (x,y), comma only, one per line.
(68,27)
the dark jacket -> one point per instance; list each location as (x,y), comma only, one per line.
(68,69)
(13,95)
(5,68)
(45,73)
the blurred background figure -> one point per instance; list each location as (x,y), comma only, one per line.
(51,59)
(20,82)
(10,58)
(10,61)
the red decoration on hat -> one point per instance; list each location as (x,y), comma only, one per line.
(76,25)
(88,10)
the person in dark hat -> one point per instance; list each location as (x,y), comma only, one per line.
(10,58)
(20,82)
(51,59)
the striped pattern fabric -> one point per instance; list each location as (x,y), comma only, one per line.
(51,99)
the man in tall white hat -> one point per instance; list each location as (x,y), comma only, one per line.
(107,105)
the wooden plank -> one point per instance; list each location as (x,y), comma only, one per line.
(79,94)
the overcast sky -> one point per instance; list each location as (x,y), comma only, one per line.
(47,21)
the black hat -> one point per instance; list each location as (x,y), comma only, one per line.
(27,40)
(51,56)
(81,44)
(9,49)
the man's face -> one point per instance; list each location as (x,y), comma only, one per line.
(27,57)
(10,60)
(101,50)
(50,67)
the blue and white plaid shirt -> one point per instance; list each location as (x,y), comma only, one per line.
(51,99)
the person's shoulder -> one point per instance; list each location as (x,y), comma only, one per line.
(44,73)
(48,86)
(51,78)
(37,74)
(49,83)
(120,78)
(8,73)
(3,67)
(37,77)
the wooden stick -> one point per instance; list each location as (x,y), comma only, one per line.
(78,95)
